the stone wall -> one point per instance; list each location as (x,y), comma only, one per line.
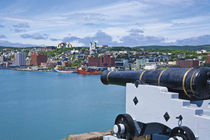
(99,136)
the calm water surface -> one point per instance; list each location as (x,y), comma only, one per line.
(49,105)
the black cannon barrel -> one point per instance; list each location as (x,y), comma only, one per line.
(190,83)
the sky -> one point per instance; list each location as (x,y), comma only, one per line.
(110,22)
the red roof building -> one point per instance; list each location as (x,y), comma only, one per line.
(187,63)
(102,61)
(208,59)
(107,61)
(93,61)
(37,59)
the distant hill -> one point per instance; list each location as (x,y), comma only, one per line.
(2,47)
(186,48)
(151,47)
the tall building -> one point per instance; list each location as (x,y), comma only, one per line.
(107,61)
(102,61)
(64,45)
(37,59)
(1,59)
(208,59)
(20,59)
(93,61)
(93,48)
(187,63)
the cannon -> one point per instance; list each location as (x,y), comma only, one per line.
(190,83)
(166,104)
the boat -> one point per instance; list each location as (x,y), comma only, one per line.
(61,70)
(92,71)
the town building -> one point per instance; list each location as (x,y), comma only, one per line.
(1,59)
(93,61)
(140,63)
(7,64)
(20,59)
(121,64)
(187,63)
(101,61)
(93,48)
(201,51)
(64,45)
(74,51)
(37,59)
(208,59)
(150,66)
(171,62)
(101,47)
(107,61)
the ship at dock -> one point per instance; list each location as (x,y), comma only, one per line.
(62,70)
(90,70)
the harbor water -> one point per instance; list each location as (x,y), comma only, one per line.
(50,105)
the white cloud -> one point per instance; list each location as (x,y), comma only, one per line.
(77,44)
(116,32)
(171,2)
(14,8)
(156,28)
(160,19)
(128,8)
(116,14)
(190,20)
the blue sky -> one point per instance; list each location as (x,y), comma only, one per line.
(112,22)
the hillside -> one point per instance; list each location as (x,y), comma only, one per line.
(186,48)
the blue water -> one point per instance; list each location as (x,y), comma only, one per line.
(50,106)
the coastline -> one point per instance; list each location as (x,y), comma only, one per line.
(27,69)
(30,70)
